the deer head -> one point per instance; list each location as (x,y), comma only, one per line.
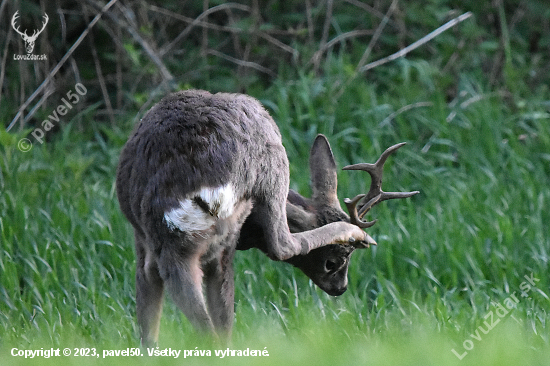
(327,266)
(29,40)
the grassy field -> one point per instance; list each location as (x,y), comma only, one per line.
(460,275)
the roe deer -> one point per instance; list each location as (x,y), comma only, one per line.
(203,175)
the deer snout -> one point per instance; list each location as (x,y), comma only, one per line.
(327,267)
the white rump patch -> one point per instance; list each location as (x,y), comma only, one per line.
(200,210)
(221,200)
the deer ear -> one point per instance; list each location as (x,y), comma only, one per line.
(322,166)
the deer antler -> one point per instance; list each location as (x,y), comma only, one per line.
(375,194)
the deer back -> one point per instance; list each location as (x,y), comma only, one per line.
(204,152)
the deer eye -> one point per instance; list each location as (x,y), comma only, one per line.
(330,266)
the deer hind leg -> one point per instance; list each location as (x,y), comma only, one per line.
(270,214)
(182,275)
(220,291)
(149,294)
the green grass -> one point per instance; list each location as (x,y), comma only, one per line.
(480,224)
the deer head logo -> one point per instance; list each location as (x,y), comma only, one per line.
(29,40)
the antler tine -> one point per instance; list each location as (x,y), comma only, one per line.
(375,194)
(355,217)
